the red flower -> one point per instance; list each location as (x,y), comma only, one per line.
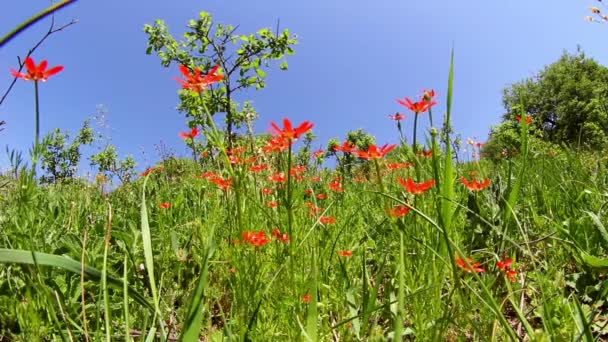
(306,298)
(529,119)
(475,267)
(196,81)
(288,132)
(345,253)
(278,177)
(373,152)
(395,166)
(297,170)
(189,135)
(258,168)
(505,266)
(276,144)
(398,210)
(257,239)
(318,153)
(222,183)
(346,147)
(336,186)
(36,73)
(416,188)
(272,204)
(165,205)
(397,116)
(428,95)
(327,220)
(315,179)
(150,170)
(267,191)
(280,236)
(475,185)
(417,107)
(425,153)
(322,196)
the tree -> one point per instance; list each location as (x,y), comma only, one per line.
(567,103)
(241,57)
(109,165)
(59,158)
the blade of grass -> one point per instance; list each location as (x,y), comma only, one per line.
(26,257)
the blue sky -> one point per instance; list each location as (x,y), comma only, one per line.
(354,58)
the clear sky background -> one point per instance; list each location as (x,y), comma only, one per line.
(354,58)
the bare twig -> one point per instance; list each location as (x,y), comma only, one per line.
(52,29)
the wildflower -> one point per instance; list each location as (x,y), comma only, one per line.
(346,147)
(397,116)
(505,266)
(321,196)
(222,183)
(417,107)
(528,119)
(258,168)
(475,267)
(288,132)
(396,166)
(272,204)
(36,73)
(100,178)
(475,185)
(416,188)
(150,170)
(315,179)
(345,253)
(425,153)
(278,177)
(336,186)
(267,191)
(373,152)
(257,239)
(428,95)
(205,154)
(297,170)
(189,135)
(280,236)
(327,219)
(165,205)
(276,144)
(398,210)
(306,298)
(318,153)
(196,81)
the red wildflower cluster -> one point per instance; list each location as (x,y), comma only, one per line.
(374,152)
(278,177)
(165,205)
(505,266)
(36,73)
(272,204)
(416,188)
(275,144)
(297,170)
(257,239)
(280,236)
(398,210)
(321,196)
(196,81)
(474,184)
(475,266)
(306,298)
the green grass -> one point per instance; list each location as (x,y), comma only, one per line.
(79,264)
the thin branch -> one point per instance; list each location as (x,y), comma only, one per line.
(51,30)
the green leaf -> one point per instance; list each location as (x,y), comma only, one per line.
(283,65)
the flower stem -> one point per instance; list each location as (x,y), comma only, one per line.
(414,147)
(37,135)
